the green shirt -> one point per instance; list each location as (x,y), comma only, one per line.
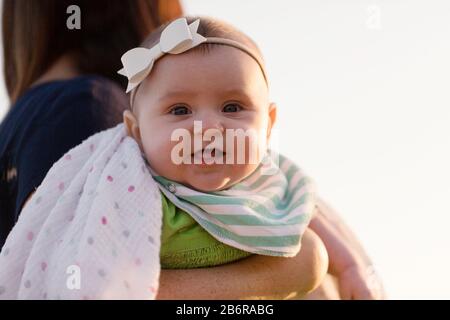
(185,244)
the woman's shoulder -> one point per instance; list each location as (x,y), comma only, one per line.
(91,97)
(57,115)
(97,97)
(93,87)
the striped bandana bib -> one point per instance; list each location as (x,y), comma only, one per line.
(266,213)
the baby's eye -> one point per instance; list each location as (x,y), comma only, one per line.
(180,110)
(232,107)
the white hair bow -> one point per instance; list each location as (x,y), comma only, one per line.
(176,38)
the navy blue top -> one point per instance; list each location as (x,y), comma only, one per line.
(46,122)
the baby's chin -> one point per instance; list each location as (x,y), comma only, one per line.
(216,177)
(208,180)
(209,184)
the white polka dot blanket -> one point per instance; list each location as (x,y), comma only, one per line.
(92,229)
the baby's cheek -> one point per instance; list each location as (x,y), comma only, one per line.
(255,130)
(156,151)
(150,144)
(161,162)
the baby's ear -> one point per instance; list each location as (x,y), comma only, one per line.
(132,126)
(272,117)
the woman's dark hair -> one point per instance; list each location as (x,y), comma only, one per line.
(35,35)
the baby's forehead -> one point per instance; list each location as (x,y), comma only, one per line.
(207,65)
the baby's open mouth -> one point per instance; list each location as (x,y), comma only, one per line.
(208,156)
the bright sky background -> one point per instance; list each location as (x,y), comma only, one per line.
(364,107)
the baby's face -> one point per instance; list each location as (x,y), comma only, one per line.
(221,90)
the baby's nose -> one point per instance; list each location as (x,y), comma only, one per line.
(211,123)
(204,131)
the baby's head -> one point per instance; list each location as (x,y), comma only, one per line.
(191,101)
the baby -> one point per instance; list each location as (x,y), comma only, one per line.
(208,86)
